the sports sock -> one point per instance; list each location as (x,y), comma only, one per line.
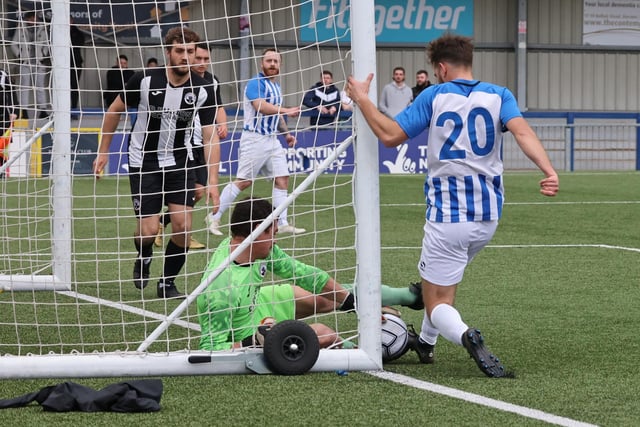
(228,195)
(145,252)
(165,219)
(348,344)
(391,296)
(397,296)
(279,196)
(174,258)
(447,320)
(428,333)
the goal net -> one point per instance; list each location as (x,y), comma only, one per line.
(68,304)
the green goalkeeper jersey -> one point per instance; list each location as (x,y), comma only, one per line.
(226,307)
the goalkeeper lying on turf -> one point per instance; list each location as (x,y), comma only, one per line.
(234,304)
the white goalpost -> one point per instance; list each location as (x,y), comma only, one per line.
(68,305)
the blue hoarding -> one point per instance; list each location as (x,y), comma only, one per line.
(396,21)
(312,148)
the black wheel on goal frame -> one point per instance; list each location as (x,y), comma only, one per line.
(291,347)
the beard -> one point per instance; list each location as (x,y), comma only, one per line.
(180,70)
(270,72)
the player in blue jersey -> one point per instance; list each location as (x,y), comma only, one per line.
(260,150)
(464,185)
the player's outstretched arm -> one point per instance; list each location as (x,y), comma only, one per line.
(533,149)
(387,130)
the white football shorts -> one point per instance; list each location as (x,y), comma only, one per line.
(261,155)
(448,247)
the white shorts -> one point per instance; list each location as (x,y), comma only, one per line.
(261,155)
(447,248)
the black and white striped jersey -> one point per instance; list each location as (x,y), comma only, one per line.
(161,135)
(197,130)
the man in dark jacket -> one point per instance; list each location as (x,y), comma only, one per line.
(324,98)
(422,82)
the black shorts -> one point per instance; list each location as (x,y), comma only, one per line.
(150,191)
(199,166)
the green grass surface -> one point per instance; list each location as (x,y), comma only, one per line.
(555,294)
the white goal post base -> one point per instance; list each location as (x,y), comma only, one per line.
(28,282)
(161,364)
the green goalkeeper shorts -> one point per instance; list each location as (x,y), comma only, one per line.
(275,301)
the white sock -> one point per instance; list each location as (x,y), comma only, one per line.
(428,333)
(279,196)
(229,194)
(447,319)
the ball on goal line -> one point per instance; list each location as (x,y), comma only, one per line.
(395,337)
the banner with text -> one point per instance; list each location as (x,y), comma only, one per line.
(408,21)
(612,23)
(310,151)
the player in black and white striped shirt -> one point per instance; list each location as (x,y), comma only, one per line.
(168,100)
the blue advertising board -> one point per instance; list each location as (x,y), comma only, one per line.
(312,148)
(84,146)
(396,21)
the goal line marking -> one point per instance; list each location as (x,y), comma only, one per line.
(480,400)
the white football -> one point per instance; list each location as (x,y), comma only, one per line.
(394,337)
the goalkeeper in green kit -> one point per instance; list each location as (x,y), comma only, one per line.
(236,303)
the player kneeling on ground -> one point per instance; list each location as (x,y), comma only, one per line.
(232,307)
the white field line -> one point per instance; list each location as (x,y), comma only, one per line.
(398,378)
(480,400)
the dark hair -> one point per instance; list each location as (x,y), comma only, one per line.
(203,45)
(123,57)
(422,72)
(152,59)
(398,69)
(327,72)
(180,35)
(248,214)
(270,49)
(457,50)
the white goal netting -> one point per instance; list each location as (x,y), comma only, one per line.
(67,296)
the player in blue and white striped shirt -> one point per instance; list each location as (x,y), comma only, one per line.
(464,186)
(260,150)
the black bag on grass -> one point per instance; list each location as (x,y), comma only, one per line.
(129,396)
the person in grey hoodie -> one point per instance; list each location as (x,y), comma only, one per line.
(396,95)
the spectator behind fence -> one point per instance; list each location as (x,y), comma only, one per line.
(152,62)
(396,95)
(324,99)
(31,47)
(422,82)
(117,77)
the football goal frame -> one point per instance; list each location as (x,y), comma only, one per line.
(141,360)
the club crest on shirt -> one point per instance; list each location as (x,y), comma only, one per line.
(136,204)
(190,98)
(263,269)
